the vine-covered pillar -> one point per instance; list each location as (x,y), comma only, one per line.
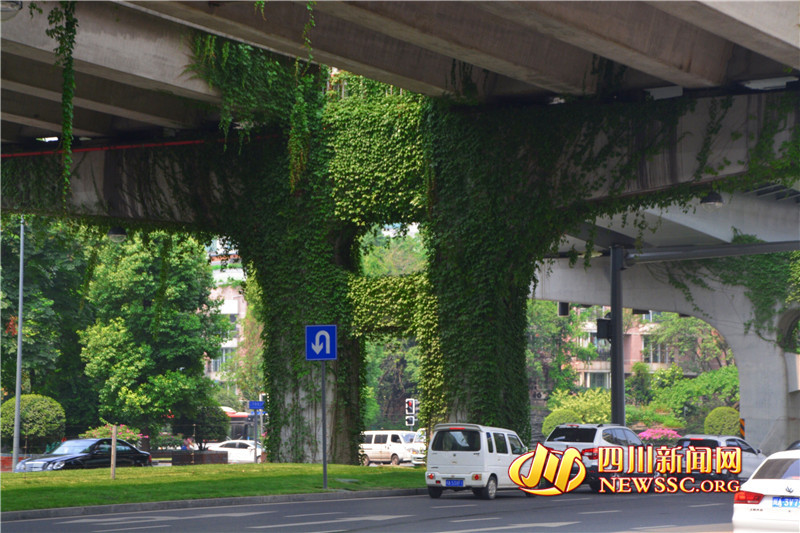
(298,261)
(482,208)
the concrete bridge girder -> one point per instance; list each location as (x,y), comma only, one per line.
(101,171)
(768,390)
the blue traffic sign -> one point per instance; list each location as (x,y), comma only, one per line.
(321,343)
(255,405)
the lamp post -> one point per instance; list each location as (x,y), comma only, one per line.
(117,234)
(18,386)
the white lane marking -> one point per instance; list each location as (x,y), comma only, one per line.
(601,512)
(138,519)
(131,528)
(454,506)
(522,527)
(374,518)
(310,514)
(475,519)
(708,504)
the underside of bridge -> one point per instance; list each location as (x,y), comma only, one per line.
(131,58)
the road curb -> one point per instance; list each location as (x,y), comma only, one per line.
(62,512)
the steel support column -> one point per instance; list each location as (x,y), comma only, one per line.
(617,357)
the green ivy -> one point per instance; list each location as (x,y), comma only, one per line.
(63,27)
(494,187)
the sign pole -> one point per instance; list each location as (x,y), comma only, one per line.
(321,346)
(324,432)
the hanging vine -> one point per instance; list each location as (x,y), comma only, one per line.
(63,28)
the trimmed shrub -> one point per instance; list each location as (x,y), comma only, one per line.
(42,421)
(559,416)
(593,406)
(659,436)
(722,421)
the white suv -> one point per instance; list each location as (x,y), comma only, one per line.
(751,456)
(587,438)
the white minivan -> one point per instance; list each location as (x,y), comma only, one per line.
(471,456)
(386,446)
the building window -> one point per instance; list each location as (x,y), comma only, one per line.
(603,346)
(226,355)
(599,380)
(653,352)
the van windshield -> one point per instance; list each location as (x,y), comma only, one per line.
(457,440)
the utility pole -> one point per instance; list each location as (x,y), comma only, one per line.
(617,354)
(18,387)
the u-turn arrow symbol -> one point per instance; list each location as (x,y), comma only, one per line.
(317,346)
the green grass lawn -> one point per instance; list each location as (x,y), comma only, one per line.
(77,488)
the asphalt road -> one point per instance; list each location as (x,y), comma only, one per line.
(455,513)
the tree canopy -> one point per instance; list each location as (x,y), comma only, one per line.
(58,258)
(155,325)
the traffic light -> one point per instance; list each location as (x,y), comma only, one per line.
(411,420)
(604,328)
(411,407)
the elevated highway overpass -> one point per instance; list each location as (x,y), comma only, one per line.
(133,89)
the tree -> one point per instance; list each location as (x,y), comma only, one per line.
(592,406)
(392,363)
(637,385)
(245,369)
(698,346)
(385,255)
(209,423)
(693,398)
(41,420)
(155,324)
(395,375)
(552,345)
(58,258)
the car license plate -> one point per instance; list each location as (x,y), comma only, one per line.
(453,482)
(785,501)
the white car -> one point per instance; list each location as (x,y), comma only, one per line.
(471,456)
(588,439)
(751,456)
(386,446)
(239,451)
(419,447)
(770,500)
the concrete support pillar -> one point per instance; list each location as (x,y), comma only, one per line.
(769,406)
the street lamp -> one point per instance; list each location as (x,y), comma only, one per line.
(712,200)
(18,385)
(117,234)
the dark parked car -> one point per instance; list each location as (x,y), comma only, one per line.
(86,453)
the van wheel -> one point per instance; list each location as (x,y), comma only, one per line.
(490,490)
(365,460)
(395,460)
(435,492)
